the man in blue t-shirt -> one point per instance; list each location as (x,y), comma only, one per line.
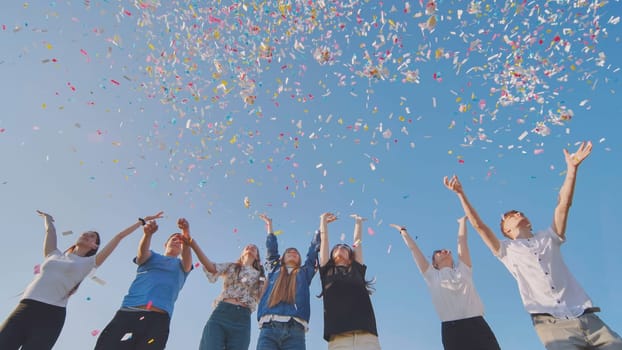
(144,318)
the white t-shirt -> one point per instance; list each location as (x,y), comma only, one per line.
(544,281)
(453,293)
(60,273)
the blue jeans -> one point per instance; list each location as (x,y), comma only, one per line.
(281,336)
(228,328)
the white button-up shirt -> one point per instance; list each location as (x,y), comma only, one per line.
(544,281)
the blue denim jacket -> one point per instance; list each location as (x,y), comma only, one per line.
(302,308)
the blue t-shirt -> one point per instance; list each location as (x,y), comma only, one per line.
(158,280)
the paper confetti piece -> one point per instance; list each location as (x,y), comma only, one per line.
(370,231)
(149,305)
(126,336)
(389,249)
(37,269)
(67,233)
(98,280)
(95,332)
(247,203)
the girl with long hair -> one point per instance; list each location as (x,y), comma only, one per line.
(349,320)
(284,309)
(229,326)
(38,319)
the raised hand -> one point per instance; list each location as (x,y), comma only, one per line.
(397,227)
(573,160)
(153,217)
(265,219)
(150,228)
(453,184)
(45,215)
(328,218)
(358,218)
(462,220)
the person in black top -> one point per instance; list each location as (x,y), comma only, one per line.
(349,320)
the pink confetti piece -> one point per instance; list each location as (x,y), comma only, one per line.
(37,269)
(370,231)
(115,82)
(85,54)
(149,305)
(95,332)
(538,151)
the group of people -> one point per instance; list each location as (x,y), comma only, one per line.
(562,313)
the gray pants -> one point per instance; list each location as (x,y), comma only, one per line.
(587,331)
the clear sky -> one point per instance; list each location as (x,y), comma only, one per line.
(118,109)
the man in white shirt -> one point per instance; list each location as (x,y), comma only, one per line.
(562,313)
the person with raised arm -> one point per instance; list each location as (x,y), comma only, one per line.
(349,319)
(453,294)
(285,307)
(229,325)
(145,315)
(38,319)
(563,315)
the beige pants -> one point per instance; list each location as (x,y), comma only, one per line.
(586,332)
(354,341)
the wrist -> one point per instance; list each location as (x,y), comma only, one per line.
(142,221)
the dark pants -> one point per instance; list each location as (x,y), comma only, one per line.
(33,325)
(135,330)
(229,328)
(468,334)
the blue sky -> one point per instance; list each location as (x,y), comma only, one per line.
(114,111)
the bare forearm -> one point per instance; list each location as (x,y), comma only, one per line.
(324,245)
(50,240)
(418,256)
(186,258)
(143,249)
(209,265)
(482,229)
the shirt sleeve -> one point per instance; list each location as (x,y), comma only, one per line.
(554,236)
(221,269)
(310,262)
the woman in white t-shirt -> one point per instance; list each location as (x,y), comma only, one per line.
(38,319)
(454,296)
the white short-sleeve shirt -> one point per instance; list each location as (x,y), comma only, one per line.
(544,281)
(453,293)
(59,274)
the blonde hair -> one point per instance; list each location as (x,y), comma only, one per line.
(285,286)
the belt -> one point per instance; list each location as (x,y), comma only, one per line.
(589,310)
(276,324)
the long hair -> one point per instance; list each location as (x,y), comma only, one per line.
(346,272)
(285,286)
(257,266)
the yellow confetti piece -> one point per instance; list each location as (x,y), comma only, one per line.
(278,232)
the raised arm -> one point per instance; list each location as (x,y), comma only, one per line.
(325,219)
(463,245)
(49,242)
(566,192)
(312,256)
(272,244)
(420,260)
(482,229)
(357,246)
(186,253)
(144,252)
(110,247)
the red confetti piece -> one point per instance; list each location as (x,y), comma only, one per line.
(115,82)
(149,304)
